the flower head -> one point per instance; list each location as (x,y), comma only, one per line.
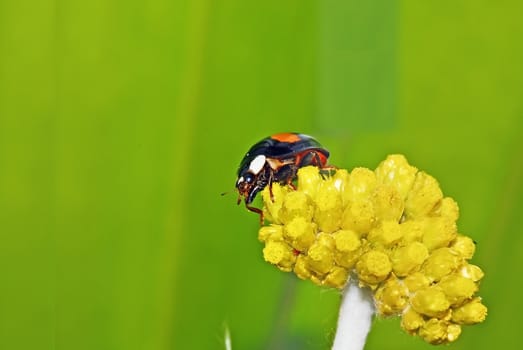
(392,229)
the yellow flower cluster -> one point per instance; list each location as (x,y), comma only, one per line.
(392,229)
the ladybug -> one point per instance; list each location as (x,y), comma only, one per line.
(276,158)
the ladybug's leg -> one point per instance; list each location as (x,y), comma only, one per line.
(316,158)
(270,186)
(294,170)
(286,174)
(327,171)
(311,158)
(257,211)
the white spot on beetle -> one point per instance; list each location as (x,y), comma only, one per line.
(257,164)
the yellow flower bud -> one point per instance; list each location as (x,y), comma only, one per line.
(416,281)
(435,331)
(337,277)
(385,234)
(453,332)
(440,263)
(387,203)
(424,196)
(464,246)
(358,216)
(301,268)
(329,210)
(408,259)
(348,248)
(411,320)
(448,208)
(438,232)
(341,179)
(470,313)
(271,232)
(360,186)
(373,267)
(430,301)
(412,230)
(321,257)
(346,241)
(280,254)
(299,233)
(472,272)
(391,297)
(309,179)
(397,172)
(296,204)
(457,288)
(273,205)
(326,240)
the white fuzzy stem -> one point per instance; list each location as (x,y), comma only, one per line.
(355,318)
(228,343)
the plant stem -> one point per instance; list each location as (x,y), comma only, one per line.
(355,317)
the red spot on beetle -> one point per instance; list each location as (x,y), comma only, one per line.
(286,137)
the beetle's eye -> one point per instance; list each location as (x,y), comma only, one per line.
(249,178)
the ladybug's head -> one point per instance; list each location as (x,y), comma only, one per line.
(252,179)
(245,183)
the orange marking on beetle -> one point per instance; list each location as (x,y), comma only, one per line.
(320,158)
(286,137)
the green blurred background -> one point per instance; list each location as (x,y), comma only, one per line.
(121,122)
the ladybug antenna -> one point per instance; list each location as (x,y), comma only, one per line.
(227,192)
(238,201)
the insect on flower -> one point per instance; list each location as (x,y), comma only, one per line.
(276,158)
